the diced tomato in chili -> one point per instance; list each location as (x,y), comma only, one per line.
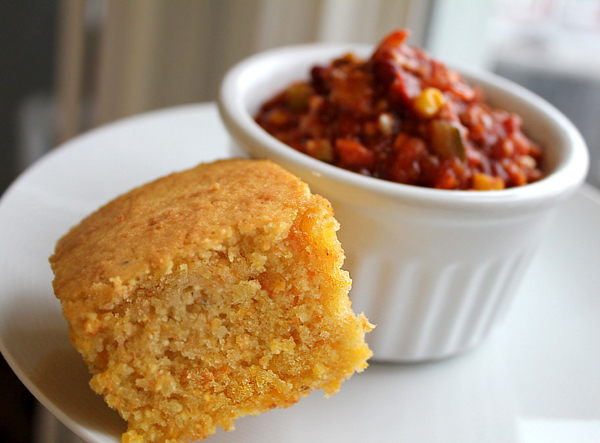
(401,115)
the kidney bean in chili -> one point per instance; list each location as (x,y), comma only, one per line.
(403,116)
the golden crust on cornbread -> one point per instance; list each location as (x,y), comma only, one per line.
(208,295)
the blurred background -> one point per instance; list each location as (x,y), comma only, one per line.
(67,66)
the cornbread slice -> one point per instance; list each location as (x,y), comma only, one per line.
(208,295)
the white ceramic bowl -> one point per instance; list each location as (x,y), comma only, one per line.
(434,269)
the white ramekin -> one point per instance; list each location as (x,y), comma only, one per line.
(434,269)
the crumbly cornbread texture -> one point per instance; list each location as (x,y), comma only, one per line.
(208,295)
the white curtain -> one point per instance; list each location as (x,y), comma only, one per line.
(119,58)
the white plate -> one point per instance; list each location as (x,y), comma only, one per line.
(537,379)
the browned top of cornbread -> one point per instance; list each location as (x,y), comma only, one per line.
(177,216)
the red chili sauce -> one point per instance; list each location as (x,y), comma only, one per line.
(403,116)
